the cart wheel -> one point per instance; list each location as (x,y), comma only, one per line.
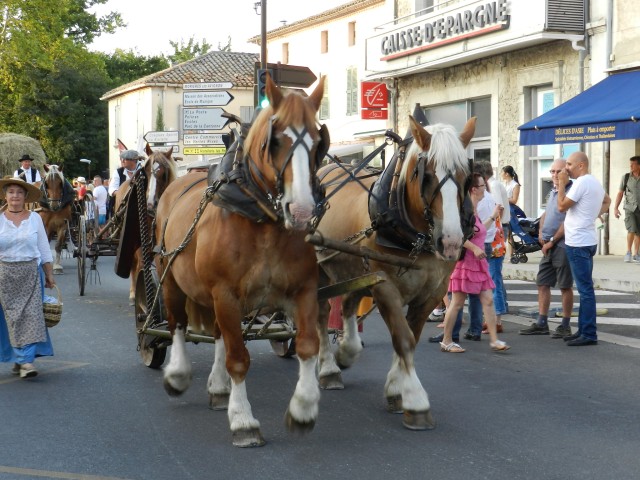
(515,259)
(284,348)
(152,355)
(524,259)
(82,254)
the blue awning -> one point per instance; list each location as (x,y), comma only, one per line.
(609,110)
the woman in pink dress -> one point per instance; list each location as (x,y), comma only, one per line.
(471,275)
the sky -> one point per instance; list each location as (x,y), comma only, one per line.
(152,24)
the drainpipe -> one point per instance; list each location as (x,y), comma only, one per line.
(606,164)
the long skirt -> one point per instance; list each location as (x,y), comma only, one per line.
(28,352)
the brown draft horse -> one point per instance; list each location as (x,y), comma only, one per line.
(234,265)
(56,208)
(160,169)
(433,177)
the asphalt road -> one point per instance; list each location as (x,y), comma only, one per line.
(541,411)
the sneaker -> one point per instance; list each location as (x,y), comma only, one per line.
(561,332)
(635,259)
(436,316)
(627,257)
(535,329)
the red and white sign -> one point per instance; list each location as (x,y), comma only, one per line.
(373,95)
(377,114)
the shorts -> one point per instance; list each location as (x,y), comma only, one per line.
(102,218)
(555,270)
(632,221)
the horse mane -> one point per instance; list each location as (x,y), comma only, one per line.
(293,110)
(446,151)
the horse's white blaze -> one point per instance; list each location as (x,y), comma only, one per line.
(178,371)
(240,416)
(298,195)
(451,229)
(151,190)
(303,406)
(219,381)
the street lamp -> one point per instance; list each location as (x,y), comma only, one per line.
(88,162)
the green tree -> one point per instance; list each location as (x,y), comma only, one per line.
(187,51)
(50,85)
(123,66)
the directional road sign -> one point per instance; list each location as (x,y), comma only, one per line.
(204,150)
(218,98)
(203,139)
(207,86)
(291,75)
(162,137)
(203,119)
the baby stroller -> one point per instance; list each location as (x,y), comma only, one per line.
(524,235)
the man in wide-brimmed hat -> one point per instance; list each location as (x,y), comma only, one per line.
(27,172)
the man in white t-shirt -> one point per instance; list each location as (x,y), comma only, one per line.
(585,202)
(100,196)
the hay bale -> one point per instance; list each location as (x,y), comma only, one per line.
(13,146)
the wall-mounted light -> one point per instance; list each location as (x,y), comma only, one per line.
(257,6)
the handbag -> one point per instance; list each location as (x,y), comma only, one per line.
(52,311)
(498,246)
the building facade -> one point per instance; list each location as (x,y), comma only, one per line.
(136,108)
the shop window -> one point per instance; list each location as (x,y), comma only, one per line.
(351,40)
(458,113)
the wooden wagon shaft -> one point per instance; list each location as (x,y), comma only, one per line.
(320,241)
(198,338)
(352,285)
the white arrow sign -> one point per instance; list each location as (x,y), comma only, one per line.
(202,139)
(162,137)
(203,99)
(207,86)
(203,119)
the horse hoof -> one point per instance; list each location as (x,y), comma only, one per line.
(333,381)
(219,401)
(394,404)
(171,390)
(294,426)
(419,420)
(248,438)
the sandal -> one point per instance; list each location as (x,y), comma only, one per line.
(499,346)
(453,347)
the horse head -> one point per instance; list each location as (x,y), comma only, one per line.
(436,173)
(160,170)
(52,187)
(284,148)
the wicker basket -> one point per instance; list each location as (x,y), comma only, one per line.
(52,311)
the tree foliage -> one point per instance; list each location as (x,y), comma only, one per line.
(187,51)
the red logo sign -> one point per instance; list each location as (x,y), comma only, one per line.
(374,95)
(374,114)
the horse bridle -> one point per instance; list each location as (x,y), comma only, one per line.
(45,193)
(298,140)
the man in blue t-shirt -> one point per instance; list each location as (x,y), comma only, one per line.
(554,268)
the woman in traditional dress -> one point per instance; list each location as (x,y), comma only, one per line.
(471,276)
(23,248)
